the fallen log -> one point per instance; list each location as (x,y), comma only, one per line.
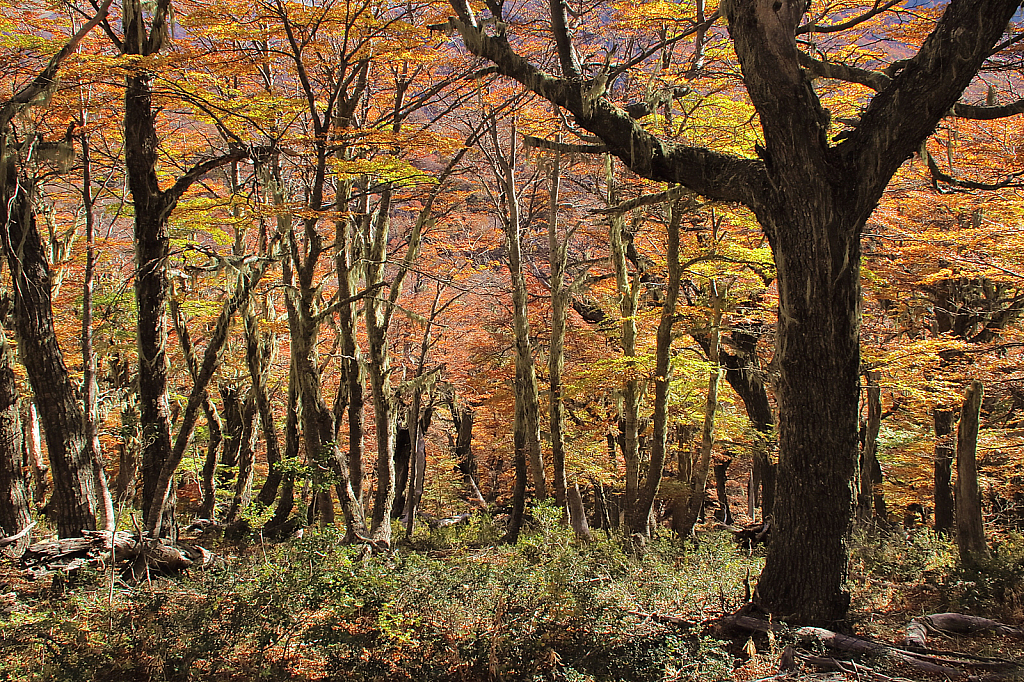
(958,623)
(133,555)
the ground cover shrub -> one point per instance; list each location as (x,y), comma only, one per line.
(445,608)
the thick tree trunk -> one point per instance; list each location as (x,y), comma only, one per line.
(943,419)
(578,514)
(152,286)
(14,513)
(80,498)
(970,530)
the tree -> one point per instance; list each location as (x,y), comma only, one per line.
(81,499)
(812,199)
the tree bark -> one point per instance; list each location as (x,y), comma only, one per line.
(724,513)
(526,394)
(970,530)
(462,421)
(812,200)
(557,253)
(662,377)
(14,512)
(628,290)
(699,478)
(943,419)
(870,501)
(80,498)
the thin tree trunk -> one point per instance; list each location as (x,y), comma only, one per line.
(243,483)
(527,397)
(724,513)
(259,352)
(557,251)
(639,523)
(89,389)
(628,292)
(870,501)
(970,530)
(213,448)
(699,478)
(943,421)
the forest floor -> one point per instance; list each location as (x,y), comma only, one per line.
(452,605)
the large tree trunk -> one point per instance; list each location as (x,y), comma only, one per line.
(80,499)
(152,248)
(970,530)
(943,419)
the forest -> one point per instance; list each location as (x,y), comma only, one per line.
(485,340)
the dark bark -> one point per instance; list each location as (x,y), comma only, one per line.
(462,420)
(259,352)
(724,513)
(560,294)
(970,531)
(943,420)
(80,498)
(14,513)
(870,501)
(812,201)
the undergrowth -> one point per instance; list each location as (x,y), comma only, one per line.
(451,606)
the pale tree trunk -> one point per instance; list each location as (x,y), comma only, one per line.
(89,388)
(378,368)
(699,477)
(628,292)
(34,452)
(557,252)
(943,423)
(527,396)
(639,522)
(970,530)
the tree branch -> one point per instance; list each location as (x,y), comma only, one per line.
(46,78)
